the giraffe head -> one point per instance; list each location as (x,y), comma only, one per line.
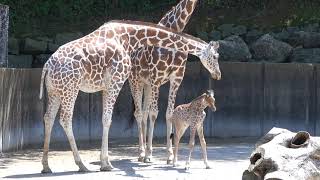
(211,101)
(209,59)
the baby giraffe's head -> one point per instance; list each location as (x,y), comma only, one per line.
(211,101)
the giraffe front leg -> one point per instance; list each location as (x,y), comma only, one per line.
(49,117)
(203,145)
(174,86)
(152,116)
(191,146)
(109,96)
(180,128)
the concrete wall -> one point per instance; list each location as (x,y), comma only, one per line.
(4,26)
(251,99)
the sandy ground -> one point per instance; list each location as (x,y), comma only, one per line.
(228,159)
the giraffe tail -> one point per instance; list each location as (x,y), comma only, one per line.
(44,72)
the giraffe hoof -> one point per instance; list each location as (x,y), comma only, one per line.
(208,167)
(83,169)
(106,168)
(46,171)
(147,160)
(169,161)
(186,168)
(141,159)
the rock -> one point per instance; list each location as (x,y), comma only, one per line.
(226,29)
(215,35)
(282,36)
(252,36)
(13,45)
(233,48)
(40,60)
(287,155)
(239,30)
(52,47)
(203,35)
(34,46)
(21,61)
(45,39)
(269,49)
(306,39)
(311,27)
(292,29)
(63,38)
(301,55)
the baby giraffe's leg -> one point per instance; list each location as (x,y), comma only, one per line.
(180,129)
(203,145)
(191,145)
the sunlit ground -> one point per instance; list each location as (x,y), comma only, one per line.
(228,159)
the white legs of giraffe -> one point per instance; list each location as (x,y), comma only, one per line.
(49,117)
(67,105)
(180,129)
(174,86)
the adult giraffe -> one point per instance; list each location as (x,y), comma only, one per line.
(100,61)
(153,67)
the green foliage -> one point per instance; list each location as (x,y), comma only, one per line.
(45,16)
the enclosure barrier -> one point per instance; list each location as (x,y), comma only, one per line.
(251,98)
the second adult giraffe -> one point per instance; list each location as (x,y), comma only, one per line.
(153,67)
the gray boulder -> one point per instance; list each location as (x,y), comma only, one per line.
(52,47)
(13,46)
(63,38)
(239,30)
(215,35)
(41,59)
(226,29)
(269,49)
(252,36)
(34,46)
(21,61)
(305,39)
(234,48)
(301,55)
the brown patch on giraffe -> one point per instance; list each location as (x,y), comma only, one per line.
(151,33)
(161,66)
(180,23)
(166,42)
(162,35)
(154,40)
(120,30)
(110,34)
(183,15)
(140,34)
(177,61)
(144,63)
(180,72)
(189,7)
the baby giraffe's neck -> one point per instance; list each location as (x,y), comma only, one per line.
(199,103)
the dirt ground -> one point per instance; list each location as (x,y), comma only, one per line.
(228,159)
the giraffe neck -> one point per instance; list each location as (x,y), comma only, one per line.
(134,34)
(178,17)
(199,102)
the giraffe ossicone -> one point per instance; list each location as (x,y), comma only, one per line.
(101,61)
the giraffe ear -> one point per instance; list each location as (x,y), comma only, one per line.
(214,44)
(210,92)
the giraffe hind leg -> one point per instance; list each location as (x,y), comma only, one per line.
(67,106)
(49,117)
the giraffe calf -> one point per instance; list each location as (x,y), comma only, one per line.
(193,115)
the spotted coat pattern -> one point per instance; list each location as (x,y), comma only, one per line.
(101,61)
(193,115)
(153,67)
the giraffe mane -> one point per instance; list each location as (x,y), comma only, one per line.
(130,22)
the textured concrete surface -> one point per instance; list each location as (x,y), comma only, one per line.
(228,158)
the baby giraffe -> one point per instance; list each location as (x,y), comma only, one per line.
(192,114)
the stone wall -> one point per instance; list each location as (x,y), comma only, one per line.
(238,43)
(4,25)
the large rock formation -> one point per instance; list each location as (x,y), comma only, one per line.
(233,48)
(269,49)
(285,155)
